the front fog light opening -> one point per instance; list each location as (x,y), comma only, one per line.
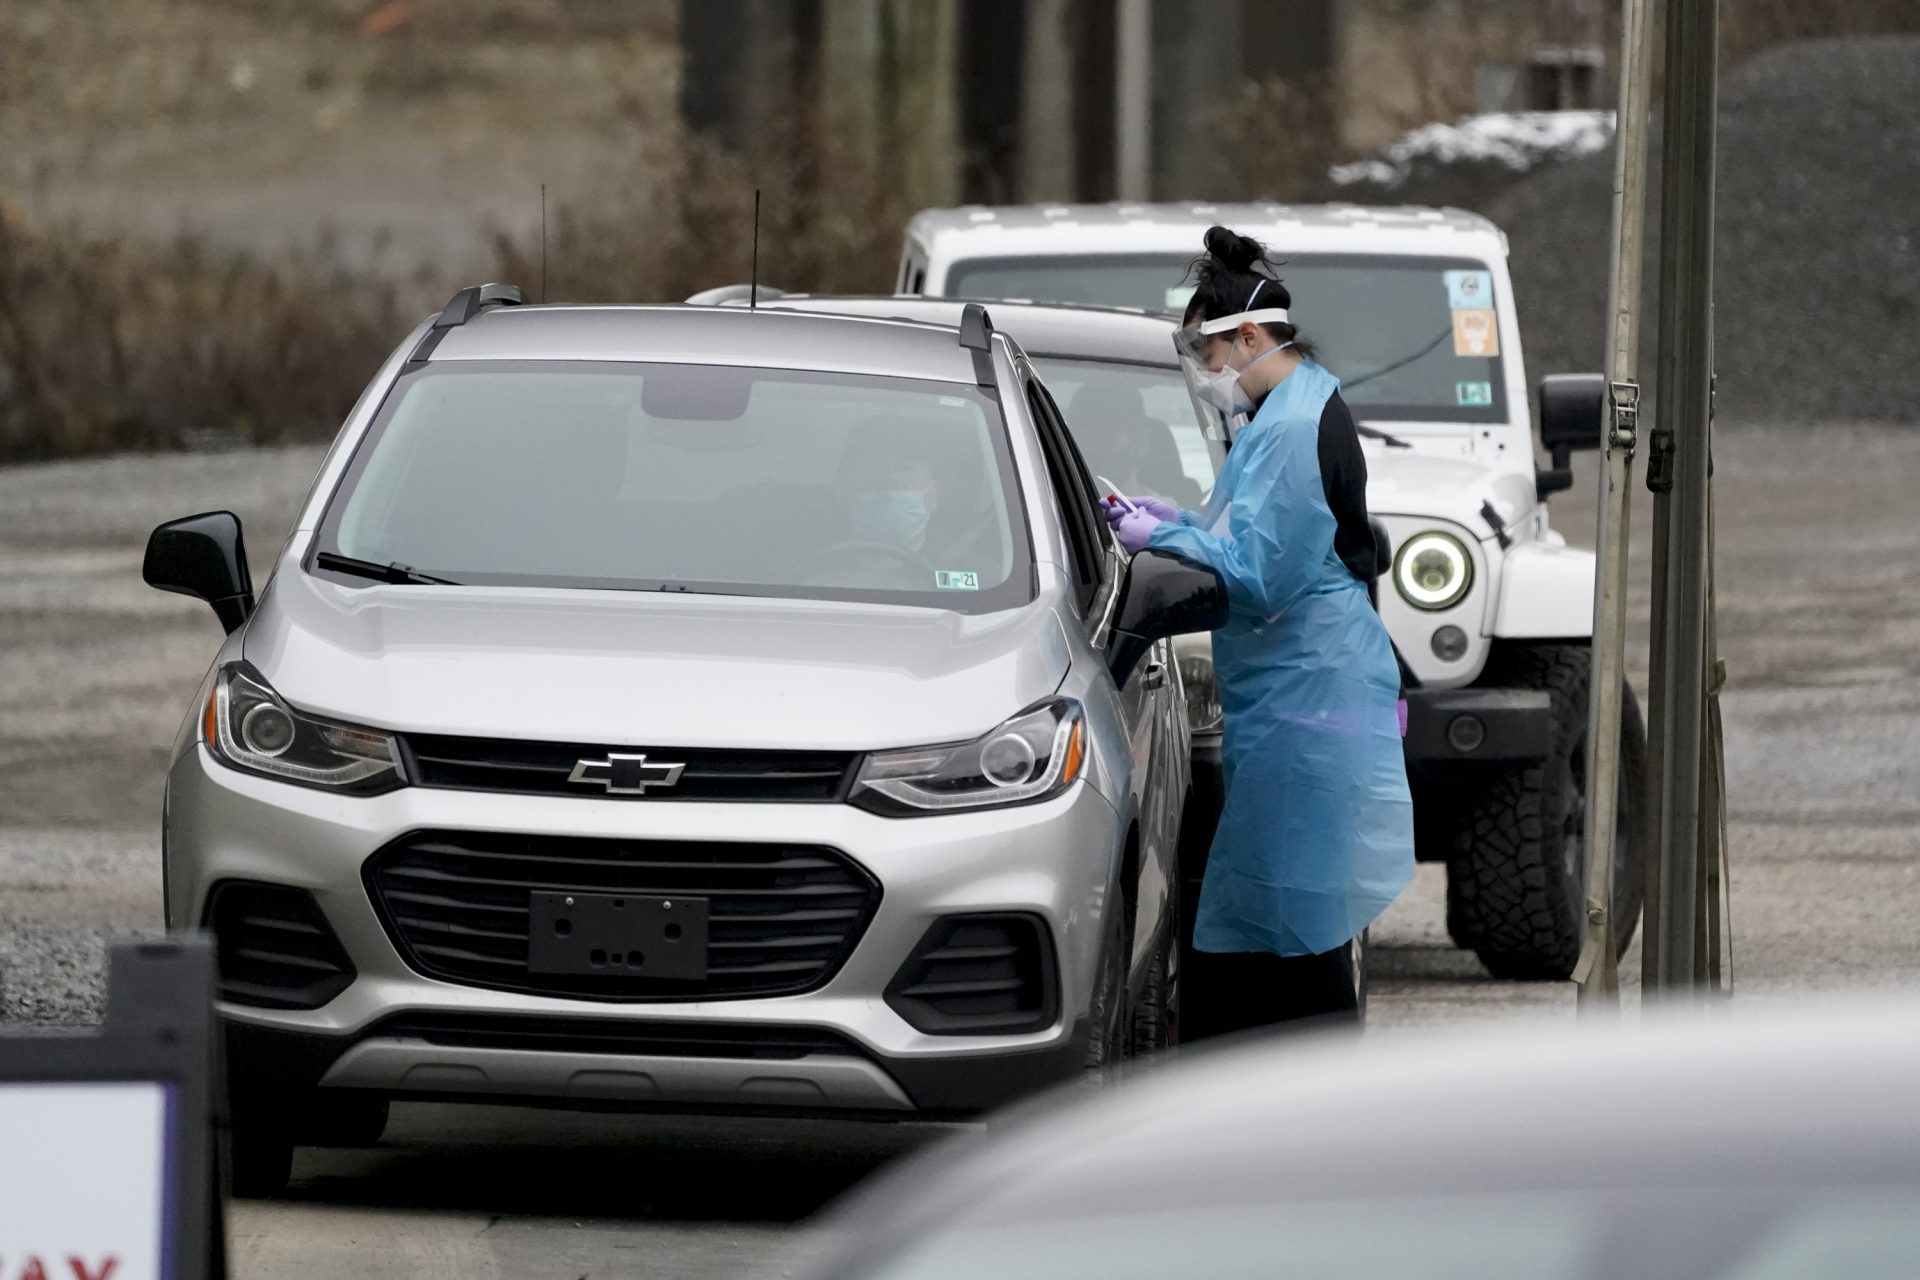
(1449,644)
(1433,571)
(1466,733)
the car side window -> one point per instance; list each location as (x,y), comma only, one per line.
(1072,492)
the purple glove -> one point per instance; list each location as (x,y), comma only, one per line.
(1158,508)
(1135,528)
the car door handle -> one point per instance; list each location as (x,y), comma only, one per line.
(1155,676)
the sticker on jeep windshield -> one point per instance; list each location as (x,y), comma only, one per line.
(1469,290)
(956,580)
(1473,395)
(1475,334)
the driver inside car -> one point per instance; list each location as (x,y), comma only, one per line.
(898,506)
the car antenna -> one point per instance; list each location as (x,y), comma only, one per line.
(543,242)
(753,287)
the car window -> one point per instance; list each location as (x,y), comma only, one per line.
(692,478)
(1072,492)
(1137,426)
(1411,338)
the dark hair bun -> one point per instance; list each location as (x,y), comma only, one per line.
(1234,252)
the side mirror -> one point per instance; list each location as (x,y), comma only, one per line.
(1162,596)
(1573,415)
(203,556)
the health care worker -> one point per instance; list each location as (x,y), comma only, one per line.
(1316,834)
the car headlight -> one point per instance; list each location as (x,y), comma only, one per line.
(1203,692)
(249,726)
(1433,571)
(1034,756)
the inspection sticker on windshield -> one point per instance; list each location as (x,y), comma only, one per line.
(1469,290)
(1475,334)
(956,580)
(1473,395)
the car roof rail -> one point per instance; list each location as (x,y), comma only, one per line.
(466,304)
(976,335)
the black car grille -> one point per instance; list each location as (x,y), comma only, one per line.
(781,918)
(979,975)
(616,1036)
(544,769)
(275,949)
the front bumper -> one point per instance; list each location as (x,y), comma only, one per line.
(1478,727)
(1054,862)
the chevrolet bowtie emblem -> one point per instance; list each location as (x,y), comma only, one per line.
(626,775)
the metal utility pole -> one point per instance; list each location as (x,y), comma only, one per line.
(1598,971)
(1133,99)
(1683,907)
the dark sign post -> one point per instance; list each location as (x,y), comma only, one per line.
(110,1170)
(1684,924)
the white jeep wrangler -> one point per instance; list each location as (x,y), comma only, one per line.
(1491,611)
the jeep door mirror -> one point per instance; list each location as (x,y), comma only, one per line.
(1573,415)
(1161,596)
(203,556)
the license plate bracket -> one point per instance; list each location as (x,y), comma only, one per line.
(618,935)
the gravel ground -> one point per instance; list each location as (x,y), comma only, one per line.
(1817,256)
(1820,556)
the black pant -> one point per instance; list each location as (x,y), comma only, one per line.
(1225,992)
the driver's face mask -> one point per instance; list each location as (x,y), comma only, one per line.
(894,515)
(1220,388)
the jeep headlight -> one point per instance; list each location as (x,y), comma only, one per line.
(1433,571)
(250,727)
(1034,756)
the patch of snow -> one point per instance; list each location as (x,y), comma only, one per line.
(1517,140)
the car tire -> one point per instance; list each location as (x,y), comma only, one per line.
(1109,1039)
(338,1118)
(1156,1017)
(1516,884)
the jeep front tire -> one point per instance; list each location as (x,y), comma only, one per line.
(1516,880)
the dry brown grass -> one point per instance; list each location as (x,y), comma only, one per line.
(111,344)
(105,344)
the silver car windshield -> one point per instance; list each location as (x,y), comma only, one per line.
(1412,339)
(699,478)
(1137,427)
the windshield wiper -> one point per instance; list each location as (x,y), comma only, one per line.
(1347,384)
(1385,437)
(394,572)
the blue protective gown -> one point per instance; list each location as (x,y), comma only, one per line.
(1316,834)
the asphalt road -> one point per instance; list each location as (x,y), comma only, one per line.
(1820,612)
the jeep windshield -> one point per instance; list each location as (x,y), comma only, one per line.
(1411,339)
(696,478)
(1137,426)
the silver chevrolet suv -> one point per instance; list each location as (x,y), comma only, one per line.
(682,707)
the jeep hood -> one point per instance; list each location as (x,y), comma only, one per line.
(1416,483)
(649,669)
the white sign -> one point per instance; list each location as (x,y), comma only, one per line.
(82,1180)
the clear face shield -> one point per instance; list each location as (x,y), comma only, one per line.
(1205,351)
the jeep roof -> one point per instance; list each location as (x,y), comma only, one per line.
(979,231)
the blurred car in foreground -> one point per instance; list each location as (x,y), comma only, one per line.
(1762,1149)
